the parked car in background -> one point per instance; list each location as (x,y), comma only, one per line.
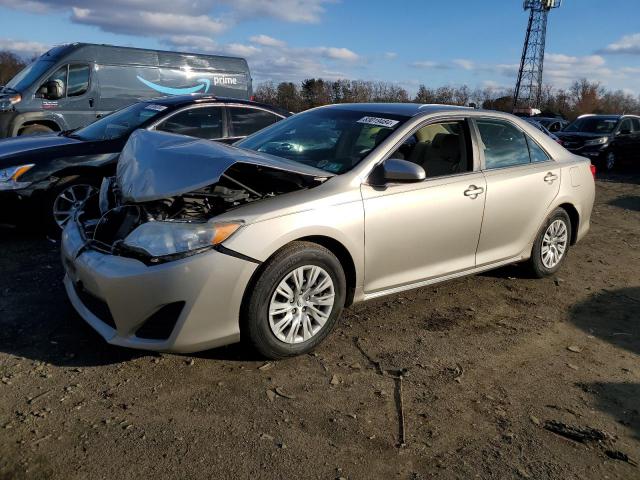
(43,178)
(543,129)
(197,244)
(551,123)
(71,85)
(605,139)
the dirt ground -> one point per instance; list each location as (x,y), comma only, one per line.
(490,364)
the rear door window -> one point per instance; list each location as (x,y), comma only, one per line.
(536,152)
(201,122)
(504,144)
(245,121)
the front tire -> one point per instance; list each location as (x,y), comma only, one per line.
(65,198)
(609,161)
(551,245)
(295,301)
(35,129)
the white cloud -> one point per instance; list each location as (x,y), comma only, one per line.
(629,44)
(24,49)
(465,64)
(297,11)
(267,41)
(337,53)
(390,55)
(427,64)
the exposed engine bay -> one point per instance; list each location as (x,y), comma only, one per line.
(108,220)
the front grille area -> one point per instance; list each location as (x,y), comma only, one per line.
(95,305)
(160,325)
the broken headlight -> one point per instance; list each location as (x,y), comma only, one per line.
(160,239)
(9,177)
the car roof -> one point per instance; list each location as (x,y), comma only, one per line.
(407,109)
(178,101)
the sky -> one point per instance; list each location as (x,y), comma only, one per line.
(409,42)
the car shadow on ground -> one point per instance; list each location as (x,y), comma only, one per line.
(612,315)
(36,320)
(630,202)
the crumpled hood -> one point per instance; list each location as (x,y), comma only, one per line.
(155,165)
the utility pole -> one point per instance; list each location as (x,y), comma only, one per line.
(529,84)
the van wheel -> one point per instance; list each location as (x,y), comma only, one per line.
(65,198)
(35,129)
(295,302)
(552,244)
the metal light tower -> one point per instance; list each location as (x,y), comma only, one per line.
(529,85)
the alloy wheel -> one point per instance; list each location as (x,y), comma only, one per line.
(301,304)
(611,160)
(69,200)
(554,243)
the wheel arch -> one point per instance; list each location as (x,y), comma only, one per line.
(574,217)
(47,123)
(334,246)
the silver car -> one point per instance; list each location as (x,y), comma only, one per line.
(194,244)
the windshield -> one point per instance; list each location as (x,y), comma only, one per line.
(121,123)
(593,125)
(332,139)
(28,75)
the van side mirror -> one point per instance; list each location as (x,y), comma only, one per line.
(52,90)
(395,170)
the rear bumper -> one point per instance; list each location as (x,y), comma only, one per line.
(210,286)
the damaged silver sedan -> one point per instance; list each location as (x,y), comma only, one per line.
(195,244)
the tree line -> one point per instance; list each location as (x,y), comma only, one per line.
(583,96)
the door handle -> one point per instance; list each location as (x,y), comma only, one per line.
(473,192)
(550,177)
(91,102)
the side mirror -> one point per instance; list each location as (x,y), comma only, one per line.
(624,131)
(52,90)
(395,170)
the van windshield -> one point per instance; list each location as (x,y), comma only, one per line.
(120,123)
(28,75)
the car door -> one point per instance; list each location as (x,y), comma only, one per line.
(243,121)
(624,139)
(77,105)
(634,152)
(522,181)
(201,121)
(419,231)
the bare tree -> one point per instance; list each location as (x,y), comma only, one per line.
(10,64)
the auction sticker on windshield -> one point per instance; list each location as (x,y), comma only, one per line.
(157,108)
(381,122)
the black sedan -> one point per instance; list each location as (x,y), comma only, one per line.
(605,139)
(44,178)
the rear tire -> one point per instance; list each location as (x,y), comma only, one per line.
(35,129)
(551,246)
(282,320)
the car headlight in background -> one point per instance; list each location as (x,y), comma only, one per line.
(9,177)
(7,103)
(596,141)
(159,239)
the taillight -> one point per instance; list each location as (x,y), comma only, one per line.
(252,98)
(593,170)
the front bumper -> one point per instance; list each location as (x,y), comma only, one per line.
(210,286)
